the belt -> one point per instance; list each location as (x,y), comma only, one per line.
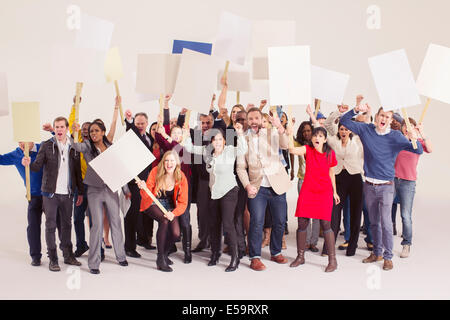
(380,184)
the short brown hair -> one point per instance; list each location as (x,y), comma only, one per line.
(255,109)
(141,114)
(411,120)
(381,109)
(61,119)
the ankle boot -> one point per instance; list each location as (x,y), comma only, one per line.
(301,245)
(214,258)
(161,263)
(266,240)
(234,263)
(331,246)
(187,240)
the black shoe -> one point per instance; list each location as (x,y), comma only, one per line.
(133,254)
(53,265)
(36,262)
(94,271)
(161,264)
(72,261)
(394,229)
(107,247)
(173,249)
(169,262)
(313,248)
(149,246)
(79,252)
(214,259)
(123,263)
(199,247)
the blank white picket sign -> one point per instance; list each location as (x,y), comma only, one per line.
(94,33)
(328,85)
(122,161)
(394,80)
(434,77)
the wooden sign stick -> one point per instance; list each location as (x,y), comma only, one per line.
(151,195)
(116,85)
(79,86)
(187,119)
(425,110)
(225,72)
(408,126)
(238,97)
(317,108)
(27,171)
(290,124)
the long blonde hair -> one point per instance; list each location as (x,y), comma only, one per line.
(161,172)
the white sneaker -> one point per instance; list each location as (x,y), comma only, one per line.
(405,251)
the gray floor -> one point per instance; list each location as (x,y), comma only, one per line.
(422,276)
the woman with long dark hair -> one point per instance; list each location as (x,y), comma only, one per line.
(169,185)
(99,196)
(317,194)
(220,159)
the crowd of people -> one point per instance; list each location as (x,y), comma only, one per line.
(235,168)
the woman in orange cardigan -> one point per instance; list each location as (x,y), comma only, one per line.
(169,185)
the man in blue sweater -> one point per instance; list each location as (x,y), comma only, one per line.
(381,147)
(35,205)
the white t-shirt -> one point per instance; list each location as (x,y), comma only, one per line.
(62,181)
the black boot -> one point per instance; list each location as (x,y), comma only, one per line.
(53,265)
(214,258)
(69,257)
(234,263)
(161,263)
(187,239)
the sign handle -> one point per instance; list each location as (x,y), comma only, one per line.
(187,119)
(151,195)
(79,86)
(425,110)
(116,85)
(27,171)
(238,97)
(317,107)
(408,126)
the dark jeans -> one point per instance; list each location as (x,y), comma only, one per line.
(34,226)
(222,212)
(257,207)
(78,219)
(63,205)
(348,185)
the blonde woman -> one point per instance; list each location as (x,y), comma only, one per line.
(169,185)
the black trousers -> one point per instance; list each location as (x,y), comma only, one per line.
(34,226)
(222,212)
(135,223)
(239,217)
(203,207)
(348,185)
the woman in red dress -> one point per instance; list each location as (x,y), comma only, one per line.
(316,196)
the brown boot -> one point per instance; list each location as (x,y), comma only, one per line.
(266,240)
(372,258)
(301,245)
(331,248)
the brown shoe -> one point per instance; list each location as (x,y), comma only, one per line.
(372,258)
(388,265)
(279,259)
(257,265)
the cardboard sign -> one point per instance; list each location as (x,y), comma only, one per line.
(122,161)
(234,38)
(290,75)
(196,81)
(157,73)
(272,33)
(113,65)
(434,77)
(26,122)
(4,102)
(260,68)
(394,80)
(179,45)
(237,81)
(94,33)
(328,85)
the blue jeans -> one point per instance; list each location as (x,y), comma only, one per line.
(257,207)
(406,190)
(78,219)
(346,215)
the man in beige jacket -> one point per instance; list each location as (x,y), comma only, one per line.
(266,183)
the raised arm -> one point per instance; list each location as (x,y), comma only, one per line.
(82,147)
(330,123)
(356,127)
(187,144)
(312,116)
(112,129)
(427,146)
(166,118)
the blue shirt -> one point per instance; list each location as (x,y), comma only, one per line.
(15,158)
(380,151)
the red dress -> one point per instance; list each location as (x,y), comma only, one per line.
(316,195)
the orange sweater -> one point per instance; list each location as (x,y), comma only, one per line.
(180,193)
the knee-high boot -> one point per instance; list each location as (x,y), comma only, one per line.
(234,263)
(331,246)
(301,245)
(187,240)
